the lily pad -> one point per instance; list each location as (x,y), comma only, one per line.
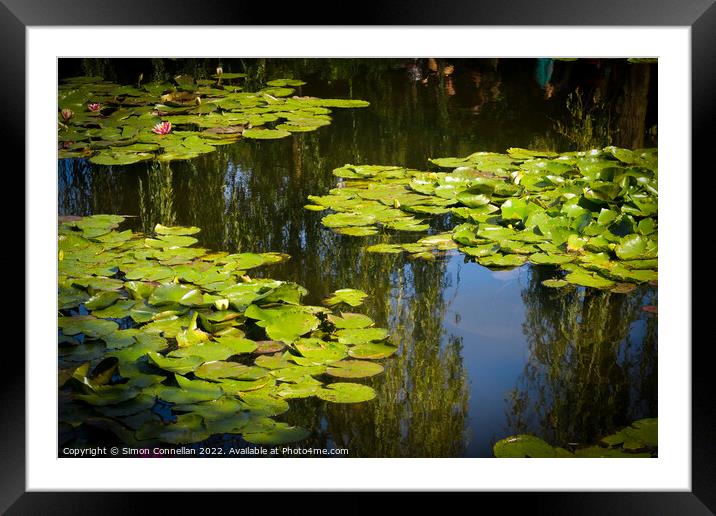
(350,296)
(529,446)
(346,393)
(361,335)
(265,134)
(349,320)
(281,433)
(354,369)
(371,351)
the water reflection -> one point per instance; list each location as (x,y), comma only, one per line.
(156,197)
(572,364)
(591,365)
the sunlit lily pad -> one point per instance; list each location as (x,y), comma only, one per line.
(350,296)
(265,134)
(354,369)
(346,393)
(350,320)
(181,365)
(371,351)
(361,335)
(359,231)
(221,369)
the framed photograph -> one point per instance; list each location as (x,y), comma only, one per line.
(420,255)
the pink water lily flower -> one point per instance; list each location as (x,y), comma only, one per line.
(67,114)
(94,107)
(162,128)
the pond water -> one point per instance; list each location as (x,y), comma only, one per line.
(483,353)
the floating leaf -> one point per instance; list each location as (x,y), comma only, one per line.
(176,293)
(350,320)
(221,369)
(352,297)
(631,247)
(527,446)
(346,393)
(551,259)
(281,433)
(265,134)
(361,335)
(354,369)
(509,260)
(182,365)
(371,350)
(385,248)
(86,324)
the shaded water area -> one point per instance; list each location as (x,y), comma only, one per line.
(483,353)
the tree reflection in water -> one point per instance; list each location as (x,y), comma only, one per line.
(586,374)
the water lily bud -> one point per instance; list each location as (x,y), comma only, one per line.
(67,114)
(245,278)
(219,71)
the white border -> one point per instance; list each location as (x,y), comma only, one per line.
(670,471)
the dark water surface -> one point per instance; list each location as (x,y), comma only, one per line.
(483,354)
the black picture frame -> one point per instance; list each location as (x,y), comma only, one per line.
(699,15)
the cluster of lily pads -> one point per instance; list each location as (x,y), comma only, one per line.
(114,124)
(640,439)
(593,213)
(160,341)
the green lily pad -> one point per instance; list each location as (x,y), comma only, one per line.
(180,365)
(176,293)
(520,446)
(86,324)
(110,157)
(349,320)
(358,231)
(281,433)
(213,410)
(631,247)
(371,351)
(509,260)
(354,369)
(175,230)
(551,259)
(641,434)
(361,335)
(101,300)
(346,393)
(385,248)
(221,369)
(340,220)
(265,134)
(350,296)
